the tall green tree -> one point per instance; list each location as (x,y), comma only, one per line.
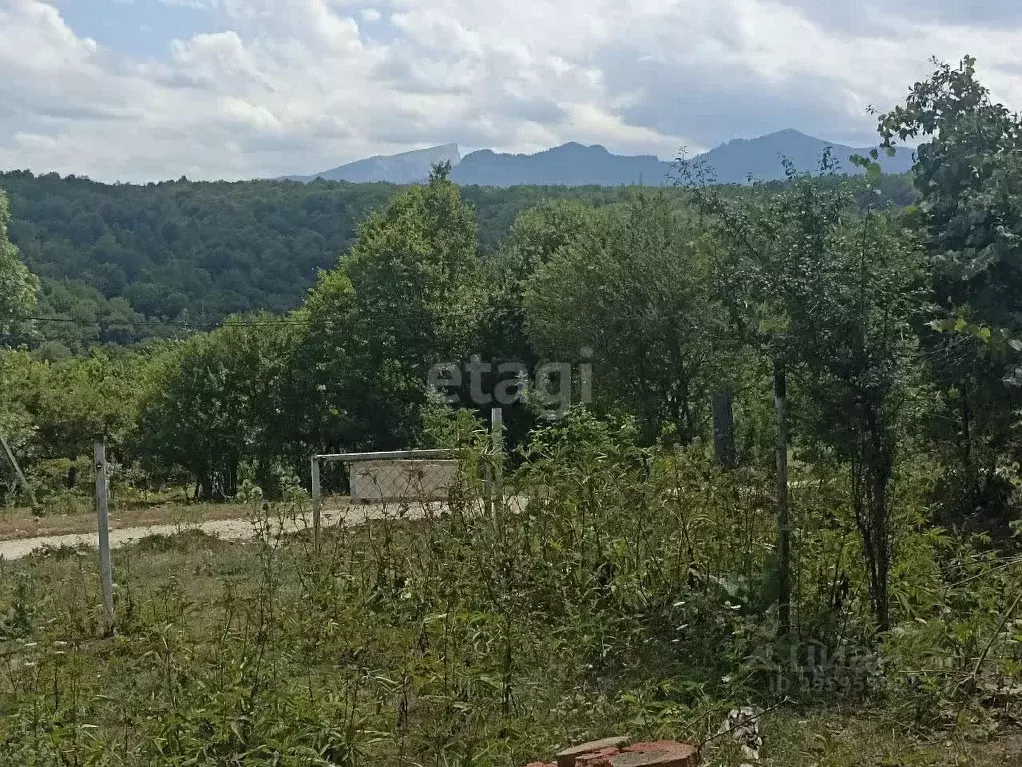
(768,245)
(630,289)
(407,296)
(325,380)
(860,357)
(78,400)
(536,235)
(216,400)
(532,240)
(968,175)
(827,293)
(18,286)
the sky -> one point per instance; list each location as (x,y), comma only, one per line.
(140,90)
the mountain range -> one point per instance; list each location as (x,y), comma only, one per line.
(404,168)
(574,164)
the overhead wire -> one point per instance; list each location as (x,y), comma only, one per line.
(197,325)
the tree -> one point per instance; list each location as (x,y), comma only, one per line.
(769,244)
(214,401)
(829,295)
(325,379)
(860,358)
(968,174)
(18,286)
(76,401)
(17,374)
(407,296)
(536,235)
(630,289)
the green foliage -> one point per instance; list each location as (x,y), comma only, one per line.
(17,285)
(968,176)
(110,257)
(969,180)
(452,639)
(536,235)
(215,400)
(830,293)
(407,296)
(630,289)
(116,262)
(624,580)
(53,412)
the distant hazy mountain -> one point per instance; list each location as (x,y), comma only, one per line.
(733,163)
(760,157)
(404,168)
(573,164)
(568,165)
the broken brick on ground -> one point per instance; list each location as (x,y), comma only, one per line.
(615,752)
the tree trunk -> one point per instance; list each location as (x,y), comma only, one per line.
(724,430)
(872,470)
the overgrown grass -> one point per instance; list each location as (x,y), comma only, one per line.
(632,593)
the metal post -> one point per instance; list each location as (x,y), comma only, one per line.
(497,437)
(315,501)
(102,503)
(783,502)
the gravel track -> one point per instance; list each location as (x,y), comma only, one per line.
(226,529)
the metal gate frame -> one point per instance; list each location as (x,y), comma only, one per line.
(319,459)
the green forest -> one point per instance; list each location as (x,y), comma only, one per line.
(865,333)
(121,263)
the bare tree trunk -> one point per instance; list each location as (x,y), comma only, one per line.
(871,480)
(724,430)
(880,522)
(783,506)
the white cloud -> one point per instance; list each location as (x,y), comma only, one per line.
(286,86)
(202,5)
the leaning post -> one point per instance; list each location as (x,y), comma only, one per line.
(316,504)
(17,469)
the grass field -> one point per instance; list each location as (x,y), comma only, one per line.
(398,643)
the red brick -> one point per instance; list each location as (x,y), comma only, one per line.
(569,756)
(599,758)
(655,745)
(676,755)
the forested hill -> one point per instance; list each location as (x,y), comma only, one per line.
(111,256)
(204,248)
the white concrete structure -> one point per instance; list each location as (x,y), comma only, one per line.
(402,480)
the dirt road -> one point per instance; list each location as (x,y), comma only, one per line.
(241,529)
(227,529)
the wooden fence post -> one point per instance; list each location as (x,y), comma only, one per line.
(102,514)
